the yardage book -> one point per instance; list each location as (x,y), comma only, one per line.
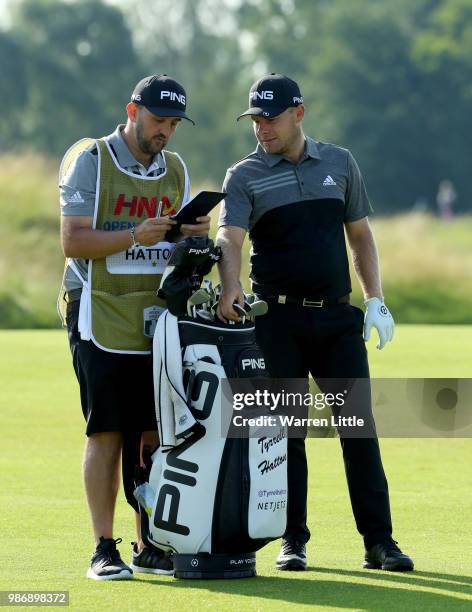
(199,206)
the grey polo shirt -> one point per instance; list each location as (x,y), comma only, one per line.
(261,182)
(295,214)
(77,187)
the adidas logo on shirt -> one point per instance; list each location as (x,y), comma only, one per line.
(328,181)
(76,198)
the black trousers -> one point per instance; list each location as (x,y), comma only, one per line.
(327,343)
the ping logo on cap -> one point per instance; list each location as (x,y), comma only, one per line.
(162,96)
(262,95)
(271,95)
(173,96)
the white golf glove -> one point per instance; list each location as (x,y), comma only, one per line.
(378,315)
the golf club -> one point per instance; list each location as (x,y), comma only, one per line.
(196,299)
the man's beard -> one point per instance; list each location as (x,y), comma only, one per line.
(149,146)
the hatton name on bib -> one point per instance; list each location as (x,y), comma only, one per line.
(141,259)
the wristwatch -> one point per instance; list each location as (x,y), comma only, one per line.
(133,237)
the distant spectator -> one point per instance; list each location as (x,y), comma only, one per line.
(445,199)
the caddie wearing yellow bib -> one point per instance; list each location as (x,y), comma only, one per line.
(116,195)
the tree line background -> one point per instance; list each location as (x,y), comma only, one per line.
(389,80)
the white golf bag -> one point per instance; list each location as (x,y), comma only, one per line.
(212,500)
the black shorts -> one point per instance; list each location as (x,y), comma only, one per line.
(116,390)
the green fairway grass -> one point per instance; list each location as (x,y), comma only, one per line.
(46,539)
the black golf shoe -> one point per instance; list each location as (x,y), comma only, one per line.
(106,563)
(387,556)
(292,556)
(152,561)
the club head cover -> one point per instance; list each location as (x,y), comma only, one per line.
(191,260)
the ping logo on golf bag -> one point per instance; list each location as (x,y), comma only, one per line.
(194,386)
(169,495)
(251,363)
(254,364)
(202,386)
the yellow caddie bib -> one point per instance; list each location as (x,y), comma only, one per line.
(124,306)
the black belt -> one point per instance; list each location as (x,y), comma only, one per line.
(309,302)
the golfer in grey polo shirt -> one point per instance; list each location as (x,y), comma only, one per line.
(297,197)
